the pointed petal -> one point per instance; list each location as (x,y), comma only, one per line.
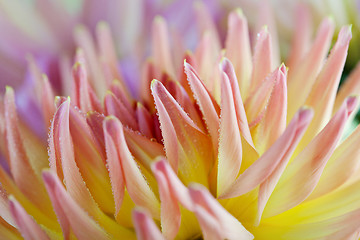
(107,51)
(136,185)
(343,164)
(266,17)
(302,175)
(308,68)
(267,187)
(188,105)
(113,106)
(121,93)
(20,168)
(70,214)
(84,94)
(207,24)
(47,100)
(209,108)
(95,121)
(62,151)
(144,150)
(230,150)
(258,100)
(351,86)
(262,59)
(5,212)
(144,120)
(279,153)
(215,221)
(62,159)
(302,35)
(238,49)
(323,93)
(90,159)
(85,41)
(145,227)
(114,167)
(45,218)
(161,46)
(27,226)
(206,57)
(170,211)
(274,122)
(228,69)
(176,187)
(172,192)
(186,146)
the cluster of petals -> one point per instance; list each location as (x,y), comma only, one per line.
(228,144)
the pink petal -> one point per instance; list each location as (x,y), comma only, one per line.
(279,153)
(84,94)
(144,120)
(62,152)
(145,227)
(215,221)
(26,225)
(20,166)
(71,215)
(208,106)
(262,59)
(113,106)
(266,17)
(228,69)
(303,173)
(238,49)
(351,86)
(258,100)
(144,150)
(342,165)
(107,52)
(161,47)
(302,35)
(120,159)
(323,93)
(186,146)
(274,122)
(85,41)
(170,211)
(308,68)
(230,150)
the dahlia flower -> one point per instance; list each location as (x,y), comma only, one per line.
(225,142)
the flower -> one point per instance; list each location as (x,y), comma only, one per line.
(227,145)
